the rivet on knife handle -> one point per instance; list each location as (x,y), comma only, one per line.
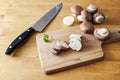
(19,41)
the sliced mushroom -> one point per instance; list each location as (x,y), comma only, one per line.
(55,46)
(101,33)
(62,44)
(77,36)
(75,44)
(92,8)
(98,18)
(76,10)
(58,45)
(87,27)
(53,51)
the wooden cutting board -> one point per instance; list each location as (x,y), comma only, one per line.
(90,53)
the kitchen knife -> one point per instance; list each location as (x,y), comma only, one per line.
(38,26)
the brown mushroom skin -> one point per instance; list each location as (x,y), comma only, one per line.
(76,10)
(99,37)
(98,18)
(87,27)
(86,16)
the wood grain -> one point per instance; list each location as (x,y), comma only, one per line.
(91,51)
(18,15)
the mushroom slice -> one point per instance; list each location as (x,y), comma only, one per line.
(75,44)
(53,51)
(62,44)
(72,46)
(55,46)
(77,36)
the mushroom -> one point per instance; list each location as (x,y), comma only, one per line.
(53,51)
(87,27)
(84,17)
(98,18)
(76,10)
(57,46)
(77,36)
(61,44)
(101,33)
(92,9)
(68,20)
(75,44)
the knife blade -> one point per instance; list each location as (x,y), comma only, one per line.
(38,26)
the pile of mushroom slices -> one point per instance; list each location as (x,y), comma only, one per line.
(87,17)
(75,42)
(60,45)
(57,46)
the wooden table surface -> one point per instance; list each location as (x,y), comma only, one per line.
(18,15)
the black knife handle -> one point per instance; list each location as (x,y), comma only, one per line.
(20,40)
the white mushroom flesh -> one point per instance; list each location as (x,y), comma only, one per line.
(74,15)
(79,18)
(68,20)
(75,42)
(61,44)
(77,36)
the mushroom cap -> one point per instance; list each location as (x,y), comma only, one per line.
(87,27)
(98,18)
(86,16)
(101,33)
(92,9)
(76,9)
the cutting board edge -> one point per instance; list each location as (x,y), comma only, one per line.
(72,66)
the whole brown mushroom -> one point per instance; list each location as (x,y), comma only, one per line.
(98,18)
(87,27)
(76,10)
(92,9)
(101,33)
(85,16)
